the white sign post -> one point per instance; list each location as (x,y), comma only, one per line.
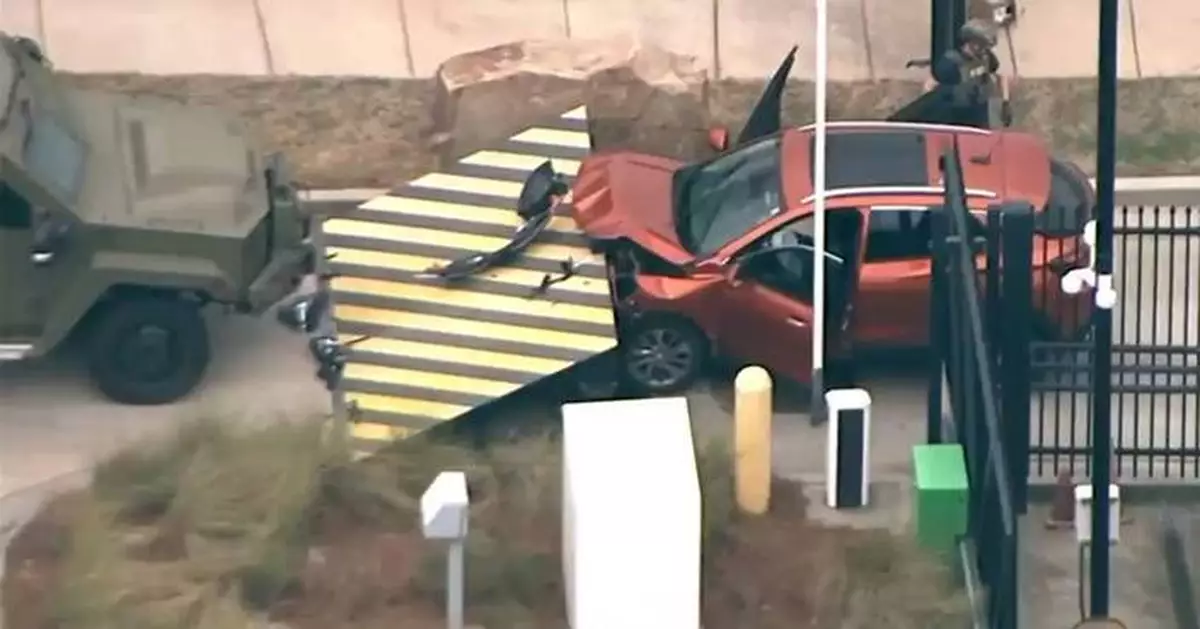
(444,513)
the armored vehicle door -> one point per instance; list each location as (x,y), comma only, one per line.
(19,316)
(32,245)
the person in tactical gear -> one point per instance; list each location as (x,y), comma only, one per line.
(968,77)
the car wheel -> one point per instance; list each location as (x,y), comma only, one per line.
(148,350)
(663,355)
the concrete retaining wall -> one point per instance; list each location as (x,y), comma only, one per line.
(733,38)
(739,38)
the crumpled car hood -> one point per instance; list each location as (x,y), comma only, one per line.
(628,195)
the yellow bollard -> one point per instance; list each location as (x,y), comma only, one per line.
(752,439)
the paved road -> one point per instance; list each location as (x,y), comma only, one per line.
(54,422)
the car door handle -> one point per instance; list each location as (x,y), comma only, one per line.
(799,323)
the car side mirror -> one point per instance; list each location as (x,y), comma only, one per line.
(718,139)
(738,269)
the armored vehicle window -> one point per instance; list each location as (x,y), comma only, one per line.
(54,156)
(15,212)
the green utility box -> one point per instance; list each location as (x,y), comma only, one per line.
(940,509)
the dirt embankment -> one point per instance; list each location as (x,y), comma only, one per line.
(359,132)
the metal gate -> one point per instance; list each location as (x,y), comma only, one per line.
(979,377)
(1156,358)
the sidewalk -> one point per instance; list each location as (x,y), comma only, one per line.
(869,39)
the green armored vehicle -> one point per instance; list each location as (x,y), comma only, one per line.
(121,218)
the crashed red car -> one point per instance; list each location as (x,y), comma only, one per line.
(716,257)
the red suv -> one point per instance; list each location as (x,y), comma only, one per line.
(717,256)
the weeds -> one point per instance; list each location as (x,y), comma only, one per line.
(222,528)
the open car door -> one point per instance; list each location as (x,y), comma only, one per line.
(932,106)
(766,117)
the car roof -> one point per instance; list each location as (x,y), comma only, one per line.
(876,163)
(875,157)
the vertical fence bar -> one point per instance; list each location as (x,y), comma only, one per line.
(1167,376)
(1016,298)
(1120,336)
(1010,582)
(973,362)
(937,326)
(1152,356)
(993,275)
(1128,282)
(1106,149)
(1191,376)
(990,532)
(1191,358)
(958,397)
(970,381)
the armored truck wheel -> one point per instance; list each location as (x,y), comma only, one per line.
(148,350)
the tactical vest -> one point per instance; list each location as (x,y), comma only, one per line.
(973,88)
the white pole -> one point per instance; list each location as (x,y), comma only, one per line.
(455,585)
(818,329)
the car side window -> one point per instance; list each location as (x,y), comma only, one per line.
(15,211)
(897,234)
(794,233)
(788,271)
(783,259)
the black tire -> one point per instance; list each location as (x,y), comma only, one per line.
(684,355)
(148,350)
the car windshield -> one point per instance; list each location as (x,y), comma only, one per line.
(722,199)
(53,156)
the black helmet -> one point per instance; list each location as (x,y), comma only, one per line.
(978,31)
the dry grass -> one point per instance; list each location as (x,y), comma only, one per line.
(224,528)
(361,132)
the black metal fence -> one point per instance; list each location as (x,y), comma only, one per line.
(973,355)
(1156,355)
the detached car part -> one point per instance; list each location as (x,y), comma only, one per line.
(535,206)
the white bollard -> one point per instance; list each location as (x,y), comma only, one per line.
(847,456)
(444,516)
(631,515)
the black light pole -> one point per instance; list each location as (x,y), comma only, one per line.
(946,18)
(1106,148)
